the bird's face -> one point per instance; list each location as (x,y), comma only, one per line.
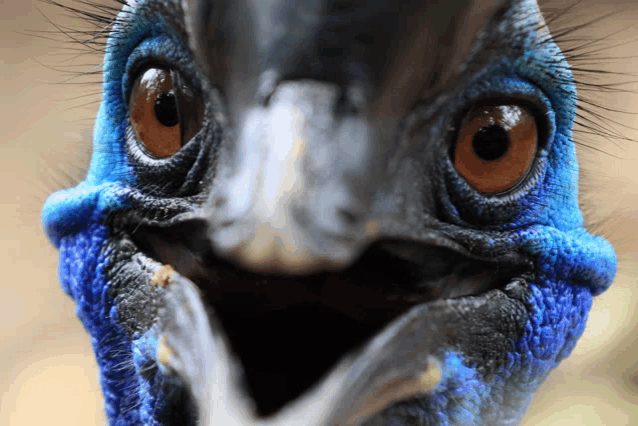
(317,212)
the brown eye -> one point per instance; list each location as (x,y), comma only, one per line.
(165,112)
(496,146)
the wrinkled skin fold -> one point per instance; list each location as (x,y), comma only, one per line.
(328,264)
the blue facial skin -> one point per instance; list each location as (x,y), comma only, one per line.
(541,218)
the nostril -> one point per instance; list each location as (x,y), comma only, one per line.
(348,218)
(345,107)
(220,202)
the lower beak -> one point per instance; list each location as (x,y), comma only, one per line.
(191,343)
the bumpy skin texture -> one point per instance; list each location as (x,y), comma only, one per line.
(490,370)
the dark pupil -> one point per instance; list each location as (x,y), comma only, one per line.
(166,109)
(490,143)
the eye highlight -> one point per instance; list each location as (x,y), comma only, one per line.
(496,146)
(165,112)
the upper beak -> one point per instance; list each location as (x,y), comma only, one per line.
(299,194)
(315,97)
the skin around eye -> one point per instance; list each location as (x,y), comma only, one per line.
(496,146)
(164,112)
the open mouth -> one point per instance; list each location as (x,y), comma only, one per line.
(289,331)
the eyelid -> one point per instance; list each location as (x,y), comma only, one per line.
(500,83)
(160,51)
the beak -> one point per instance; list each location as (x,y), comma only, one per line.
(316,100)
(298,198)
(386,370)
(315,97)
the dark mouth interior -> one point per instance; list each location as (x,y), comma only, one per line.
(289,331)
(285,352)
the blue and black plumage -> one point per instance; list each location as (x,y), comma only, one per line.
(370,214)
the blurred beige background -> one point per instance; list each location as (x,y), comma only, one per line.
(47,372)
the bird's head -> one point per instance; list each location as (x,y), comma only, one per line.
(329,212)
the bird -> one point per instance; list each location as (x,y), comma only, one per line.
(321,212)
